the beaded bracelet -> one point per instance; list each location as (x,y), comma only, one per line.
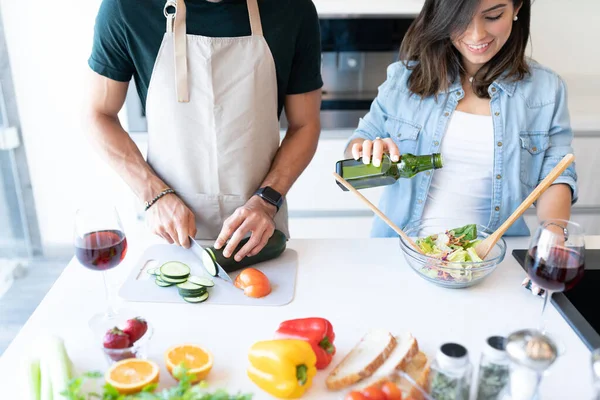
(149,204)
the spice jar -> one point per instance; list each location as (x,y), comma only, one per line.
(493,369)
(450,377)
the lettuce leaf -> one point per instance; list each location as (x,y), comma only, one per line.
(426,245)
(469,232)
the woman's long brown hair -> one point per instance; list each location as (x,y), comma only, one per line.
(438,62)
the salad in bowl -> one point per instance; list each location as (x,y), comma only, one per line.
(447,257)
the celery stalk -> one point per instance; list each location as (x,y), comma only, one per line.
(45,382)
(57,366)
(31,382)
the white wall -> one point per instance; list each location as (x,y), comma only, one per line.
(49,43)
(565,35)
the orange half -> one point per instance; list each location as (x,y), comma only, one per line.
(132,375)
(196,359)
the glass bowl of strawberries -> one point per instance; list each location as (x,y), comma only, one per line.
(130,340)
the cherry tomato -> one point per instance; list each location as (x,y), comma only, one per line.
(354,395)
(373,393)
(391,391)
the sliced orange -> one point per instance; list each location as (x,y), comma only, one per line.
(196,359)
(132,375)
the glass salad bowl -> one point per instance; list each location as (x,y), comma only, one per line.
(457,269)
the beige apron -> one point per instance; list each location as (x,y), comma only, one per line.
(212,118)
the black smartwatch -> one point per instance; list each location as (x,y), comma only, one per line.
(270,195)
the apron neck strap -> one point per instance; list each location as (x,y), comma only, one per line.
(180,41)
(255,24)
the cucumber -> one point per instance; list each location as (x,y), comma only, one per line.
(162,283)
(198,299)
(153,271)
(192,293)
(275,246)
(209,262)
(187,286)
(171,280)
(201,282)
(175,270)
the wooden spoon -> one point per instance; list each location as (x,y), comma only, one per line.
(377,212)
(483,248)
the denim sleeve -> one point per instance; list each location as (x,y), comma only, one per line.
(372,124)
(561,137)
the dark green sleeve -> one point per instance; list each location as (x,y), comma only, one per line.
(305,75)
(110,54)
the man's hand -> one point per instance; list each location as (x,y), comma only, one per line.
(255,216)
(171,219)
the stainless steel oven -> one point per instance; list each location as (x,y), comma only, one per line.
(356,51)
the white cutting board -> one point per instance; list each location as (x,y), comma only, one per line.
(140,285)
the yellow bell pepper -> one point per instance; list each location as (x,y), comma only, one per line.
(283,368)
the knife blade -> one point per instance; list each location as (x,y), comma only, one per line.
(199,251)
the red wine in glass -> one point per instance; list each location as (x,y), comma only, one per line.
(559,269)
(101,250)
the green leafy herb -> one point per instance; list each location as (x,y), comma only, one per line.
(444,387)
(467,232)
(184,390)
(492,380)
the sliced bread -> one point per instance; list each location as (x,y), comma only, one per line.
(418,370)
(363,360)
(406,348)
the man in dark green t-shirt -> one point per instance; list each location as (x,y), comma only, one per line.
(229,71)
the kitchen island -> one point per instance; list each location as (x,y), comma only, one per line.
(356,284)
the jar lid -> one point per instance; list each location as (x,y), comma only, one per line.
(495,348)
(531,349)
(452,356)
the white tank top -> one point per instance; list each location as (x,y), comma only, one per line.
(462,189)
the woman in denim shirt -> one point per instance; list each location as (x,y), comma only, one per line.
(465,88)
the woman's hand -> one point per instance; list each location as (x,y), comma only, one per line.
(376,148)
(172,220)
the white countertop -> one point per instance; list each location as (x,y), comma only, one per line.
(356,284)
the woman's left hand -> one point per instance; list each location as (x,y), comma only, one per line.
(256,216)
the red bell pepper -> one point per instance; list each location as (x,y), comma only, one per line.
(318,332)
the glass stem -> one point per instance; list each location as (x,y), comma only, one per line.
(547,296)
(110,306)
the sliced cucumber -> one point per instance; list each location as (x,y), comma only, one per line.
(172,280)
(198,299)
(187,286)
(189,293)
(153,271)
(175,270)
(162,283)
(200,281)
(208,260)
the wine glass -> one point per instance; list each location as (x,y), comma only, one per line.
(556,258)
(100,245)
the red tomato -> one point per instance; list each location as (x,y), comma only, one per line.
(353,395)
(391,391)
(373,393)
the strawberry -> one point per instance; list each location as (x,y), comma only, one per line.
(135,328)
(116,339)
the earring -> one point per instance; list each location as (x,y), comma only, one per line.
(515,18)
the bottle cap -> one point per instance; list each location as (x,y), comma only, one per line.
(531,349)
(452,356)
(495,348)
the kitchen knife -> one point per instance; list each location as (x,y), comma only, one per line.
(200,252)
